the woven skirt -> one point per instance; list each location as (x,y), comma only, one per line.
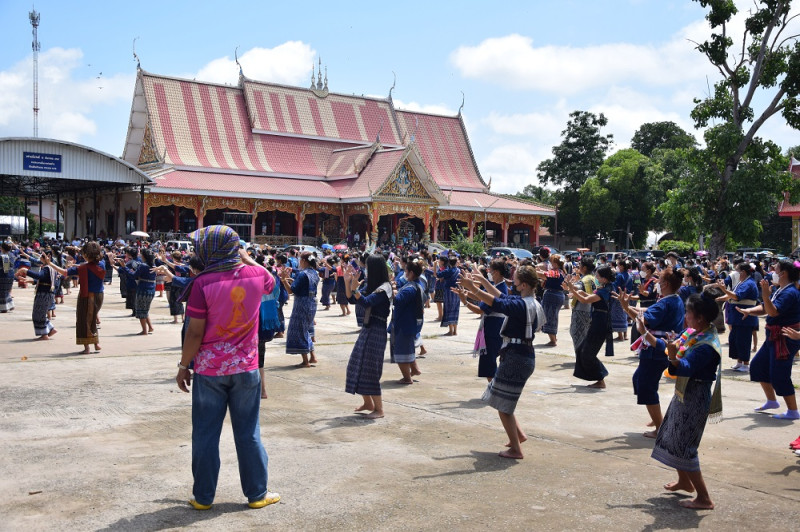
(86,319)
(452,305)
(619,319)
(142,304)
(6,301)
(517,363)
(301,326)
(552,300)
(680,433)
(41,304)
(365,367)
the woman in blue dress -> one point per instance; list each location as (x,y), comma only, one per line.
(488,341)
(744,296)
(692,284)
(449,274)
(406,320)
(145,289)
(301,323)
(694,403)
(623,281)
(553,296)
(328,275)
(365,367)
(44,299)
(517,357)
(664,319)
(772,365)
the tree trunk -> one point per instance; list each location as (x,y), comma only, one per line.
(717,245)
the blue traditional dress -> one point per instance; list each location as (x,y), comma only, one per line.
(7,261)
(552,300)
(365,367)
(740,339)
(452,304)
(773,362)
(680,433)
(587,366)
(326,273)
(406,320)
(488,341)
(43,300)
(301,323)
(664,319)
(517,357)
(619,320)
(145,289)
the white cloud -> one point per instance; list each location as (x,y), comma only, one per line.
(286,63)
(513,166)
(71,96)
(436,109)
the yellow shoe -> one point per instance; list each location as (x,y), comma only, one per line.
(197,506)
(270,498)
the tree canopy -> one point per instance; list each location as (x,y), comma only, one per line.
(738,177)
(661,135)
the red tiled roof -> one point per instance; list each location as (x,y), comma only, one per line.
(373,176)
(477,201)
(347,162)
(251,186)
(296,111)
(444,146)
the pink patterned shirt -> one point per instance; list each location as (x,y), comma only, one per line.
(229,302)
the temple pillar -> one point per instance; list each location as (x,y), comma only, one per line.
(176,218)
(435,228)
(471,228)
(201,213)
(536,226)
(795,232)
(300,217)
(253,225)
(374,223)
(505,231)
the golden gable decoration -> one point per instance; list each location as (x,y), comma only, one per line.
(405,184)
(149,154)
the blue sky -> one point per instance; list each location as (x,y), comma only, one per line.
(523,65)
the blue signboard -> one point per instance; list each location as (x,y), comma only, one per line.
(42,162)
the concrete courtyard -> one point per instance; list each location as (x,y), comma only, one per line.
(103,441)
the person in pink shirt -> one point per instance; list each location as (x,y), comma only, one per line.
(223,304)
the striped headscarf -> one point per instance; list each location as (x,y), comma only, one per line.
(217,246)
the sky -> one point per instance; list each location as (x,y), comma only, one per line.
(522,66)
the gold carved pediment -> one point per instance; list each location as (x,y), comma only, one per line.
(405,184)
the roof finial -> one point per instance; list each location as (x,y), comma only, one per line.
(394,83)
(462,103)
(326,78)
(312,75)
(136,57)
(319,75)
(236,56)
(489,186)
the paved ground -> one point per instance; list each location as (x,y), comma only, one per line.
(102,442)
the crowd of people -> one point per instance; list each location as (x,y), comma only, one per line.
(231,302)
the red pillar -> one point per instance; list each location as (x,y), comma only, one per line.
(200,213)
(505,232)
(300,225)
(471,228)
(536,226)
(176,218)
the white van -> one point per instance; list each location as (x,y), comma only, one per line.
(181,245)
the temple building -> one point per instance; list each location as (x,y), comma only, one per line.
(286,164)
(789,210)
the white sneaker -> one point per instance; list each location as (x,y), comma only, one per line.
(797,452)
(744,368)
(737,366)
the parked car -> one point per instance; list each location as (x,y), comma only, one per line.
(302,247)
(521,253)
(435,248)
(503,251)
(611,256)
(641,254)
(184,246)
(572,254)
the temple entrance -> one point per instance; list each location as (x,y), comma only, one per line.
(162,219)
(519,235)
(493,234)
(276,228)
(359,223)
(241,222)
(447,228)
(400,229)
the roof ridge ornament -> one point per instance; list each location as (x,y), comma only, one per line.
(394,84)
(136,57)
(319,88)
(462,104)
(236,57)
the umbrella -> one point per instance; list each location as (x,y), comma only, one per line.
(140,233)
(327,247)
(340,247)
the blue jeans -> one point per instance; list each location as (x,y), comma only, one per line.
(211,398)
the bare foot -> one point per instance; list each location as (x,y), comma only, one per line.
(143,333)
(374,415)
(150,330)
(678,486)
(650,434)
(415,372)
(312,360)
(264,395)
(651,424)
(52,332)
(694,504)
(43,337)
(550,344)
(403,381)
(97,347)
(304,365)
(422,351)
(363,408)
(85,351)
(510,454)
(522,439)
(599,385)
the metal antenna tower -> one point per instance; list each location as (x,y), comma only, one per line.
(34,18)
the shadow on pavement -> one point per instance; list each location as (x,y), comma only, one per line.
(666,513)
(179,515)
(484,463)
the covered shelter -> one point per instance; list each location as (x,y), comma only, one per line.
(76,176)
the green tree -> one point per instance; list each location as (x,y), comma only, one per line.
(661,135)
(663,172)
(618,199)
(575,159)
(738,177)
